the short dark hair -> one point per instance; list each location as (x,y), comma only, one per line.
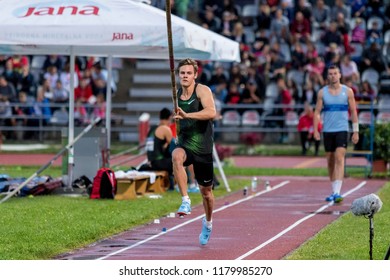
(188,61)
(165,113)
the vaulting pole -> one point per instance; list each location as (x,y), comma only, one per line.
(172,62)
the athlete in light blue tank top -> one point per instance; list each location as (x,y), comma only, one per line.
(335,110)
(334,100)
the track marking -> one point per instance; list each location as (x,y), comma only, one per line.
(307,163)
(280,234)
(190,221)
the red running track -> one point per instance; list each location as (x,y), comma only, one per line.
(266,225)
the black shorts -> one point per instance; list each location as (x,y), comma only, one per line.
(203,167)
(334,140)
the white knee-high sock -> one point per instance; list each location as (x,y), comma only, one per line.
(338,184)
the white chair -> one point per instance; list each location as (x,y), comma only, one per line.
(365,118)
(373,19)
(231,118)
(383,117)
(250,118)
(286,51)
(386,37)
(291,118)
(272,90)
(297,76)
(59,117)
(371,75)
(358,48)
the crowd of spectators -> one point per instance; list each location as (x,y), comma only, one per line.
(34,89)
(286,46)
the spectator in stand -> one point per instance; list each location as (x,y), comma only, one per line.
(349,69)
(211,21)
(288,9)
(100,107)
(251,95)
(41,107)
(52,75)
(358,8)
(345,30)
(280,27)
(229,6)
(264,17)
(309,93)
(7,90)
(99,77)
(304,7)
(366,92)
(372,57)
(315,69)
(10,73)
(218,75)
(181,8)
(18,61)
(65,77)
(300,29)
(220,90)
(21,113)
(298,56)
(45,90)
(236,76)
(238,33)
(311,51)
(273,5)
(374,35)
(233,95)
(294,90)
(60,94)
(339,7)
(52,60)
(332,54)
(358,34)
(306,130)
(375,8)
(275,66)
(83,92)
(227,24)
(285,99)
(253,74)
(321,15)
(332,35)
(27,83)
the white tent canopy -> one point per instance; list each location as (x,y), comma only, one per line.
(106,28)
(122,28)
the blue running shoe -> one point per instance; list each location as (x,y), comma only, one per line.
(205,234)
(193,189)
(337,198)
(184,209)
(330,198)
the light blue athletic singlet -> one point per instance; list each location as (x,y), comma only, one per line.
(335,110)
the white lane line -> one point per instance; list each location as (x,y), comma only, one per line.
(190,221)
(280,234)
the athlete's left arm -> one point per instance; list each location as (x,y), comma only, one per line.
(352,106)
(206,98)
(354,117)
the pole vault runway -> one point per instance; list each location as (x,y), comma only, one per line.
(265,225)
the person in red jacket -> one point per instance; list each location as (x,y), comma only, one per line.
(305,128)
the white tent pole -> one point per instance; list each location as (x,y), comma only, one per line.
(108,106)
(219,165)
(71,119)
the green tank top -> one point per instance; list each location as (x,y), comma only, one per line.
(195,135)
(155,146)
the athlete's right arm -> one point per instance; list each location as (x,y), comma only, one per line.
(317,115)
